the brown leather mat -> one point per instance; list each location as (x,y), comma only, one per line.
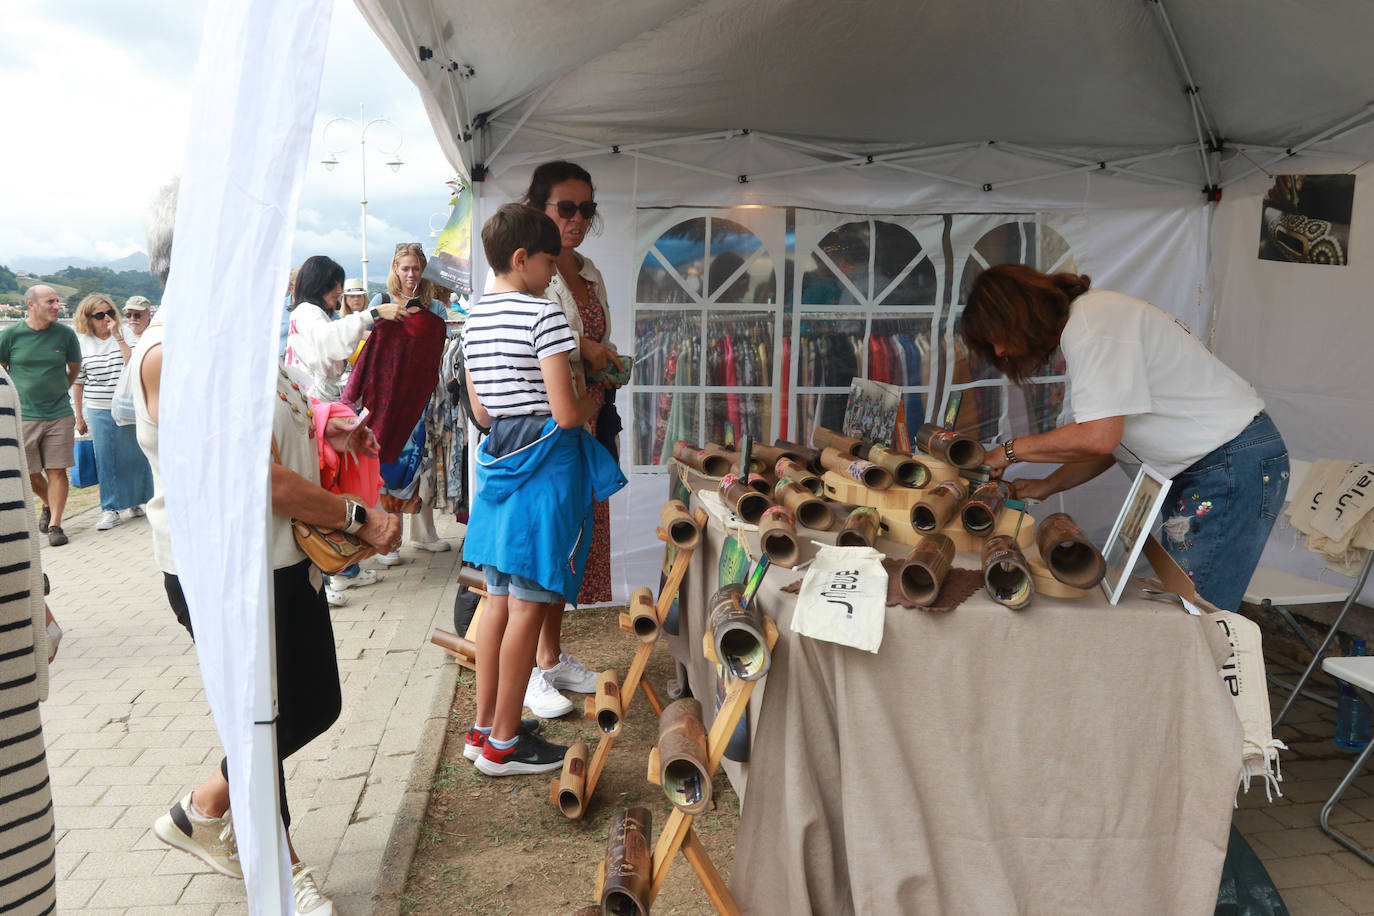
(958,587)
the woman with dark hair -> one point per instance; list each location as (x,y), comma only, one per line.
(318,343)
(1143,390)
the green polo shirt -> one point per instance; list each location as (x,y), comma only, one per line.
(38,365)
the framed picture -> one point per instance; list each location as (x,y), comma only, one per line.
(1132,525)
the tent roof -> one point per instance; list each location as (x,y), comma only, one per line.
(1072,81)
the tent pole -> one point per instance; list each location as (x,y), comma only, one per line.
(491,157)
(645,156)
(1330,133)
(264,798)
(1207,137)
(1114,168)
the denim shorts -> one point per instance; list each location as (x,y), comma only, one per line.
(499,584)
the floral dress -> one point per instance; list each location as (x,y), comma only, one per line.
(596,585)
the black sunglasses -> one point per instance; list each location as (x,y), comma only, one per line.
(567,208)
(102,315)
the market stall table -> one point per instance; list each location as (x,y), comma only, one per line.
(1070,758)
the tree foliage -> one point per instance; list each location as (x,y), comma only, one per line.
(8,281)
(118,286)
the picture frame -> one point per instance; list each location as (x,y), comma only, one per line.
(1133,525)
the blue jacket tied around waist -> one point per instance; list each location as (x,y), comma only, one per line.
(532,512)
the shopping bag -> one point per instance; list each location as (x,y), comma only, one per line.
(84,472)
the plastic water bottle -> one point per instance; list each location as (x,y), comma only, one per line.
(1352,715)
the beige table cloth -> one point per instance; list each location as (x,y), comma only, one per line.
(1070,758)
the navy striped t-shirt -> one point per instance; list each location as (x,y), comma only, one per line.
(504,338)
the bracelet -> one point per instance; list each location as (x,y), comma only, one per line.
(348,527)
(1009,449)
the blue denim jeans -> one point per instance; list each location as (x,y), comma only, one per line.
(1220,510)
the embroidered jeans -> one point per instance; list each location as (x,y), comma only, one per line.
(1220,510)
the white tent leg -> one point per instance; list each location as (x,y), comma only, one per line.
(265,794)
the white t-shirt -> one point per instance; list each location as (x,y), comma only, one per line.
(1131,359)
(504,338)
(101,363)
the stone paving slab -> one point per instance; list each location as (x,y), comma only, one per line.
(128,732)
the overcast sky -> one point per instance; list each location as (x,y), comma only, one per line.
(96,95)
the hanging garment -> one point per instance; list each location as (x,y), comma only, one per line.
(395,377)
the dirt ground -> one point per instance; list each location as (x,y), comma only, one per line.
(498,846)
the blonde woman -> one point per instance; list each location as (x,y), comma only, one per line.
(126,480)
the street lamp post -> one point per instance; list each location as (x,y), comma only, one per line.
(332,159)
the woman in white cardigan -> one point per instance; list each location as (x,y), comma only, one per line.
(319,341)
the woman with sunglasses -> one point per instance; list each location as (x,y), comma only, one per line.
(126,480)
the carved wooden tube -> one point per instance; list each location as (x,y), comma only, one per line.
(572,782)
(772,454)
(608,702)
(1006,576)
(454,644)
(865,472)
(760,482)
(683,761)
(788,467)
(805,506)
(629,871)
(924,569)
(734,457)
(742,499)
(907,470)
(934,510)
(472,577)
(710,461)
(1070,556)
(643,615)
(778,537)
(983,506)
(860,528)
(947,445)
(828,438)
(682,529)
(737,634)
(811,457)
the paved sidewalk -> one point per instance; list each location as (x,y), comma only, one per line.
(128,732)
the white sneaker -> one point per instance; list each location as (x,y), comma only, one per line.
(137,512)
(343,583)
(334,598)
(389,559)
(210,839)
(438,546)
(570,674)
(108,520)
(543,700)
(309,900)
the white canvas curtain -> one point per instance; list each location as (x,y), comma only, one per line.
(253,106)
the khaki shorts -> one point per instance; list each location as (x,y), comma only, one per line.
(50,443)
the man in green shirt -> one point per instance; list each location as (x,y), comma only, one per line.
(43,358)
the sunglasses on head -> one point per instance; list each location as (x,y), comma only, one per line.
(568,209)
(403,246)
(102,315)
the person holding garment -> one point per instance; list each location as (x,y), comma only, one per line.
(1143,389)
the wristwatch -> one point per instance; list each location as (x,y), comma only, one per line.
(355,515)
(1009,450)
(376,314)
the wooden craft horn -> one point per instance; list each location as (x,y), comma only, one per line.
(454,644)
(1006,576)
(629,870)
(608,703)
(865,472)
(572,782)
(710,461)
(737,633)
(1070,556)
(924,569)
(983,506)
(472,577)
(828,438)
(778,537)
(860,528)
(790,467)
(772,454)
(742,499)
(808,509)
(734,457)
(683,761)
(935,509)
(681,528)
(811,457)
(907,470)
(643,615)
(760,482)
(947,445)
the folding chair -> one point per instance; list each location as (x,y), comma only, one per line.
(1273,588)
(1358,672)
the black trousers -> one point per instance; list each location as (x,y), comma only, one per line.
(308,695)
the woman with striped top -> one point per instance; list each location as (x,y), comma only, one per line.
(126,481)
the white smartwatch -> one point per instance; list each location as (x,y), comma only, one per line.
(356,515)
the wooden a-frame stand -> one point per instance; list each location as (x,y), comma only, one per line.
(634,678)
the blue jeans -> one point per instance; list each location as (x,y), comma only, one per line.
(1220,510)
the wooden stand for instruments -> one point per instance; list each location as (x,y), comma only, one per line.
(464,649)
(634,678)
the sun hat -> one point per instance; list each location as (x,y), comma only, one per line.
(138,303)
(353,287)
